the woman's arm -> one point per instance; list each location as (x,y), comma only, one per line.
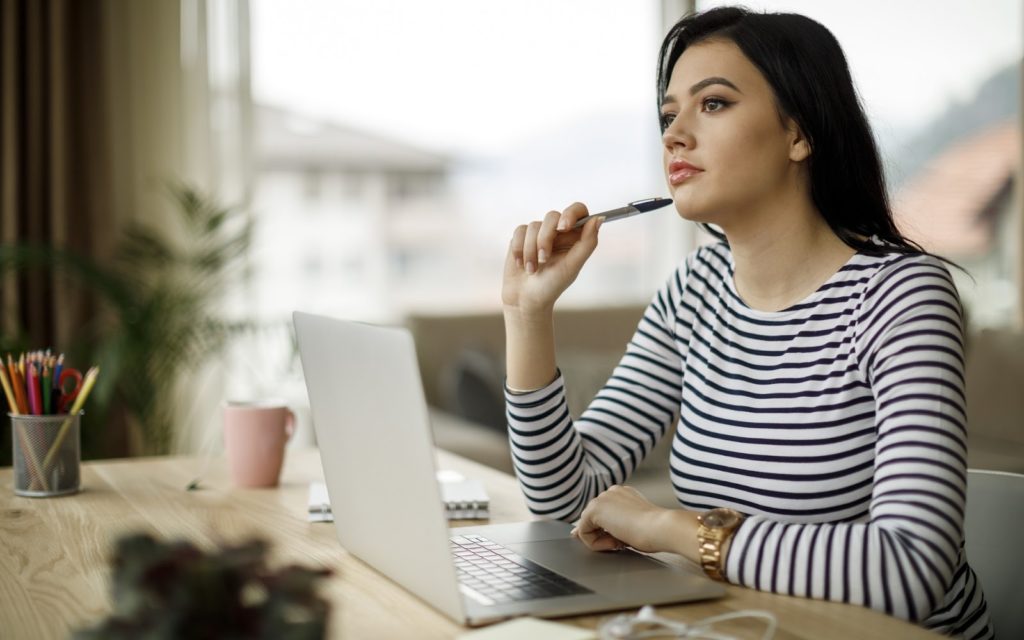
(541,263)
(561,463)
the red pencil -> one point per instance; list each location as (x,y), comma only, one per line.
(33,389)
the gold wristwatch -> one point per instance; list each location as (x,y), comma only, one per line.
(716,526)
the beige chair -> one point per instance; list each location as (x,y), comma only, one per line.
(994,519)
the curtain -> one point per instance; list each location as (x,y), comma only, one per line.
(103,103)
(54,181)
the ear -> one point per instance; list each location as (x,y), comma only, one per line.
(799,146)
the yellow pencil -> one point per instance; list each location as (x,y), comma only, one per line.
(33,459)
(12,402)
(87,383)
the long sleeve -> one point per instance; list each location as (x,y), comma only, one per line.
(562,464)
(905,556)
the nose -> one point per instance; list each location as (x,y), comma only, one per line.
(677,134)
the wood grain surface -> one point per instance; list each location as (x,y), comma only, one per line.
(54,552)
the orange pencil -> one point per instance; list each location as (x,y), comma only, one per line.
(18,384)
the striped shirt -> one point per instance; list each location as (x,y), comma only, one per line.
(837,425)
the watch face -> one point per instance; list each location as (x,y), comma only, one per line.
(720,518)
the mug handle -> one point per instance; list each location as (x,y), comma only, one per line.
(289,424)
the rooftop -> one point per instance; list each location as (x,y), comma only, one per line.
(950,205)
(287,139)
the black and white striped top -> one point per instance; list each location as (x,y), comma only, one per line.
(838,425)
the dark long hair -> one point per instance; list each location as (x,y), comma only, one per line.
(808,73)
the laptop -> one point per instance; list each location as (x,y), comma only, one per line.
(376,447)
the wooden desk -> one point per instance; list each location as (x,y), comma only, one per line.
(54,574)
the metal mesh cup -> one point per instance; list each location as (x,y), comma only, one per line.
(47,456)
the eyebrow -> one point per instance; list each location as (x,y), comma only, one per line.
(706,82)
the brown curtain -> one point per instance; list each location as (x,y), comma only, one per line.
(55,167)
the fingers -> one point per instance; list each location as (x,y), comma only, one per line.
(581,251)
(533,244)
(571,215)
(598,540)
(515,253)
(546,236)
(537,242)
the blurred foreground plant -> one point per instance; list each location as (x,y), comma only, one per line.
(164,590)
(159,297)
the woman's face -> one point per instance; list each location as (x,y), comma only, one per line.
(726,150)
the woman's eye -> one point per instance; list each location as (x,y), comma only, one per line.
(711,105)
(666,120)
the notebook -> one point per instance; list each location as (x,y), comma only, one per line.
(373,428)
(463,498)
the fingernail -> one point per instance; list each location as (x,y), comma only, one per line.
(530,268)
(600,221)
(542,256)
(562,225)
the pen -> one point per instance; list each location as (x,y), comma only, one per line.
(631,209)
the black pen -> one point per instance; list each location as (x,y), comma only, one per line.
(631,209)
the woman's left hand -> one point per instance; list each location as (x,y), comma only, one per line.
(621,516)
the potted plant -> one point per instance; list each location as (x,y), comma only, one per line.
(175,590)
(159,298)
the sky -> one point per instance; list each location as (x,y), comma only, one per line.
(474,77)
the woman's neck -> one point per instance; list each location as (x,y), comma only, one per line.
(783,255)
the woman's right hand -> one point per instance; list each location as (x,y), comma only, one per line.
(544,258)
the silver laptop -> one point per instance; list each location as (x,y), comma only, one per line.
(376,446)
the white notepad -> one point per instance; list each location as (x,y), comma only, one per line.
(464,499)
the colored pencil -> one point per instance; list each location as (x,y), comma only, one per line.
(46,386)
(32,384)
(12,402)
(87,384)
(19,386)
(26,445)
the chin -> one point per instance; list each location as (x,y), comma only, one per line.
(693,214)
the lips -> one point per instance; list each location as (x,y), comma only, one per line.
(679,171)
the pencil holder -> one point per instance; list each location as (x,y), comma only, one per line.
(47,456)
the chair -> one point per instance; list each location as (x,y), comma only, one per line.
(994,519)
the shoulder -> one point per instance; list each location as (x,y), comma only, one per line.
(902,288)
(908,277)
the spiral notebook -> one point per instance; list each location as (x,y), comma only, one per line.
(464,499)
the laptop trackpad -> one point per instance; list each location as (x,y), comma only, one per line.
(570,557)
(624,576)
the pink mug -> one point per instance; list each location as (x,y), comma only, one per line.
(255,434)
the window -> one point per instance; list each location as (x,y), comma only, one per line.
(441,145)
(460,120)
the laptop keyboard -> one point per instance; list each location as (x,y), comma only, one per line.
(491,574)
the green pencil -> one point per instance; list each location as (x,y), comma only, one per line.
(47,389)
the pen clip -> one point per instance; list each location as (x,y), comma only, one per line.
(649,203)
(636,203)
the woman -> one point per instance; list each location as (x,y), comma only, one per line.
(812,361)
